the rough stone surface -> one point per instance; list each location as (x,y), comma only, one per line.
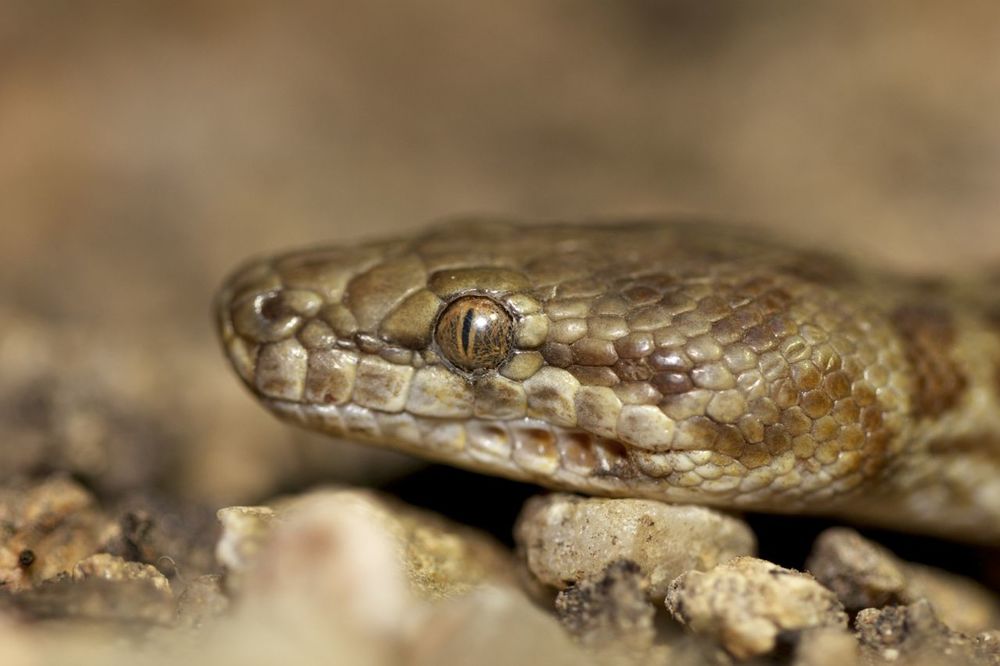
(54,527)
(827,646)
(100,588)
(176,537)
(493,627)
(914,635)
(863,574)
(245,531)
(612,609)
(122,601)
(45,529)
(566,538)
(326,554)
(439,558)
(113,568)
(203,600)
(747,603)
(960,602)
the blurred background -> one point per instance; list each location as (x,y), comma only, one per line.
(148,147)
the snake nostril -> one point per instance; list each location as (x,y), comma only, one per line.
(272,308)
(273,315)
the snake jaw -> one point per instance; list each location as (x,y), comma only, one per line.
(523,449)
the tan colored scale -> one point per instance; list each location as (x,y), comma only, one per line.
(681,362)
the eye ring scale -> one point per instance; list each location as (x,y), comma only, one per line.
(474,333)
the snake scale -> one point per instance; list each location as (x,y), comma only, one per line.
(679,361)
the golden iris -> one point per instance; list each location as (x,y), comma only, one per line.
(474,333)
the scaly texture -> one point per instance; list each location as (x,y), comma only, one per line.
(680,362)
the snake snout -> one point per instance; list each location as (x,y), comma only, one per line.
(261,321)
(295,326)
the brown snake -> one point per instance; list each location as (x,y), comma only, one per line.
(681,362)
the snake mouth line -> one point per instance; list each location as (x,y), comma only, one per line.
(523,448)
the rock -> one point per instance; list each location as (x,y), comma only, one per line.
(960,602)
(826,646)
(314,580)
(914,635)
(122,602)
(863,574)
(348,576)
(201,601)
(611,610)
(110,567)
(491,627)
(17,646)
(175,536)
(45,529)
(987,643)
(102,588)
(566,539)
(63,556)
(245,532)
(328,555)
(439,559)
(746,603)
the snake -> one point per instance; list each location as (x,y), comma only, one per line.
(679,360)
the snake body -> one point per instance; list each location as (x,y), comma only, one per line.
(676,361)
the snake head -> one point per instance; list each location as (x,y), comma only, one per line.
(670,361)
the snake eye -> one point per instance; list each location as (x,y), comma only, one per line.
(474,333)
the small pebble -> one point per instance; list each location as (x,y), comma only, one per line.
(860,572)
(747,603)
(826,646)
(612,609)
(111,567)
(567,539)
(47,527)
(492,626)
(863,574)
(201,601)
(913,634)
(440,559)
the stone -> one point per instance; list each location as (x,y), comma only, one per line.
(826,646)
(202,601)
(492,626)
(863,575)
(913,634)
(860,572)
(747,604)
(961,603)
(611,609)
(45,529)
(566,539)
(323,554)
(439,559)
(113,568)
(245,531)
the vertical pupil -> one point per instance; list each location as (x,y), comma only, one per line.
(470,314)
(474,333)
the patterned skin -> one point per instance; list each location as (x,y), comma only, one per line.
(683,362)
